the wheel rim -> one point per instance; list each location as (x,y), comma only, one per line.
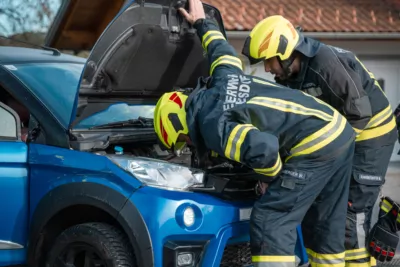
(80,255)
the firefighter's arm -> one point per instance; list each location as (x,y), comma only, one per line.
(244,143)
(222,56)
(345,83)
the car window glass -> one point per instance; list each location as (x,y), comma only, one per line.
(117,112)
(8,125)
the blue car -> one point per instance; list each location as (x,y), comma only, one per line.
(83,180)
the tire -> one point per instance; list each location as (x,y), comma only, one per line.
(98,243)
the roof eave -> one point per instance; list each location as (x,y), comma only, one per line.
(332,35)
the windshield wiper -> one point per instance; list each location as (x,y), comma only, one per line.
(139,122)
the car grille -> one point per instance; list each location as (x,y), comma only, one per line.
(237,255)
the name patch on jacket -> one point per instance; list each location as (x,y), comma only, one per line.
(295,174)
(370,177)
(237,91)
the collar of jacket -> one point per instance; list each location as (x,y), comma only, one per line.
(308,46)
(202,84)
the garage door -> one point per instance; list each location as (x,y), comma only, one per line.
(387,72)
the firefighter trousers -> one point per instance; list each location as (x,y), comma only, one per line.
(312,190)
(370,164)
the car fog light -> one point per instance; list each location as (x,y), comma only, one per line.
(188,217)
(185,259)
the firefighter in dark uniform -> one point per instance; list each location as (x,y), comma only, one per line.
(337,77)
(299,145)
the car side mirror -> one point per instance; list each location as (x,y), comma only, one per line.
(10,124)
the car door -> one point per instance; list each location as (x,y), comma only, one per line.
(13,189)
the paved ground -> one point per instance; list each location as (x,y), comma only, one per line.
(392,185)
(392,189)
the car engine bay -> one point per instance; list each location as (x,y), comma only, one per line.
(223,178)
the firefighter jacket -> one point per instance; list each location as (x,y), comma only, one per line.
(254,121)
(340,79)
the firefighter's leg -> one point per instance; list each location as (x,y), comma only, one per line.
(368,175)
(281,209)
(324,224)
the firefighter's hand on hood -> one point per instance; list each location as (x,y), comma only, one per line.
(196,11)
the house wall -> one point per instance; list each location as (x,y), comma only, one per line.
(381,57)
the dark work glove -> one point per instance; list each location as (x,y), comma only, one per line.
(383,238)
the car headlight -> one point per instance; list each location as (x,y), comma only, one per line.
(159,173)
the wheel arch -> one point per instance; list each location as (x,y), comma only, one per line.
(88,201)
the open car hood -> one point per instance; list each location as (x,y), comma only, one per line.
(148,49)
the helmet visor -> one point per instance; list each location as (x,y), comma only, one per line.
(246,52)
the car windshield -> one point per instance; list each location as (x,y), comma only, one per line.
(55,84)
(117,112)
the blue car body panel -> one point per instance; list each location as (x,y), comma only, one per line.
(52,166)
(14,206)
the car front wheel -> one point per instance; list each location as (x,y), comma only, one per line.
(91,245)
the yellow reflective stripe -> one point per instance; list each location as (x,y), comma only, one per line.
(380,117)
(272,171)
(355,254)
(273,259)
(371,75)
(386,206)
(379,86)
(230,60)
(320,101)
(235,141)
(314,264)
(210,36)
(273,264)
(265,82)
(358,264)
(378,131)
(317,259)
(290,107)
(320,138)
(358,131)
(373,262)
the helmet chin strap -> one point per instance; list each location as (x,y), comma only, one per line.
(286,66)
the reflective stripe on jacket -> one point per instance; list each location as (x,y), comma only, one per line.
(340,79)
(250,120)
